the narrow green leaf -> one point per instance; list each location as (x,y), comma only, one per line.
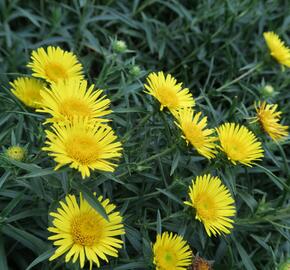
(11,205)
(27,239)
(175,162)
(3,256)
(133,265)
(247,261)
(170,195)
(91,199)
(158,223)
(38,173)
(44,256)
(3,178)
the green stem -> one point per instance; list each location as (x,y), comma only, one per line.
(163,153)
(240,77)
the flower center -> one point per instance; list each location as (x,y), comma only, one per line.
(205,207)
(236,150)
(167,260)
(55,71)
(74,107)
(83,148)
(167,97)
(194,135)
(87,229)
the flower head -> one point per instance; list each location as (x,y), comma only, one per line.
(68,99)
(195,132)
(83,145)
(119,46)
(168,92)
(28,91)
(171,252)
(16,152)
(83,234)
(277,48)
(269,118)
(213,203)
(200,263)
(55,64)
(239,144)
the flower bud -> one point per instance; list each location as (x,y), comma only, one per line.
(15,152)
(119,46)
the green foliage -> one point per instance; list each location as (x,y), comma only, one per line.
(216,49)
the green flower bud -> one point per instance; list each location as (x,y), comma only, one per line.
(119,46)
(16,152)
(135,71)
(268,90)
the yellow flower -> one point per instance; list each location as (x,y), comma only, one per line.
(213,203)
(83,145)
(171,252)
(168,92)
(68,99)
(28,91)
(82,233)
(55,64)
(269,119)
(16,152)
(239,144)
(278,49)
(195,132)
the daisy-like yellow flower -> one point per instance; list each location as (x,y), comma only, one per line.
(195,132)
(28,91)
(168,92)
(55,64)
(269,118)
(277,48)
(16,152)
(213,203)
(239,144)
(68,99)
(83,145)
(83,234)
(171,252)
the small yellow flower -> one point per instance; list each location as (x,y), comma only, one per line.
(28,91)
(171,252)
(239,144)
(83,234)
(83,145)
(55,64)
(16,152)
(269,118)
(213,203)
(168,92)
(68,99)
(195,132)
(277,48)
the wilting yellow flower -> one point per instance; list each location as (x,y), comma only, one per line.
(213,203)
(269,118)
(83,145)
(195,132)
(68,99)
(200,263)
(55,64)
(239,144)
(28,91)
(16,152)
(278,49)
(171,252)
(83,234)
(168,92)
